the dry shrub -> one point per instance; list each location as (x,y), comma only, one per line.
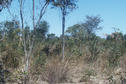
(56,71)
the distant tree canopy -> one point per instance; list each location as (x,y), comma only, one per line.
(92,24)
(74,30)
(115,36)
(67,5)
(4,4)
(42,29)
(88,27)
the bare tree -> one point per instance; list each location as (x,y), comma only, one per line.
(28,49)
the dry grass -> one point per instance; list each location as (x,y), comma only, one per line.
(123,62)
(56,71)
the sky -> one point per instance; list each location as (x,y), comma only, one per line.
(112,12)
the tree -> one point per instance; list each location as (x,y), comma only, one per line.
(29,49)
(74,30)
(76,38)
(92,24)
(41,30)
(65,6)
(4,4)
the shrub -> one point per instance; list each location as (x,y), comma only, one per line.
(55,71)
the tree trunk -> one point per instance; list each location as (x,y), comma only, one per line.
(63,28)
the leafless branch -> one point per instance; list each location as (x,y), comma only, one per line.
(42,11)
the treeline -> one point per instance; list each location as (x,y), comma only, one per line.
(81,42)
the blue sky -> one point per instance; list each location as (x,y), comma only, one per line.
(113,13)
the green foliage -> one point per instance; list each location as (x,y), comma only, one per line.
(115,44)
(68,5)
(76,32)
(41,30)
(94,47)
(90,26)
(11,59)
(80,42)
(75,39)
(84,34)
(38,62)
(10,48)
(115,54)
(53,45)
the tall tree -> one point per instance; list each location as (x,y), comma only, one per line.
(65,6)
(29,49)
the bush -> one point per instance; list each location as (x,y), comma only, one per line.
(55,71)
(94,47)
